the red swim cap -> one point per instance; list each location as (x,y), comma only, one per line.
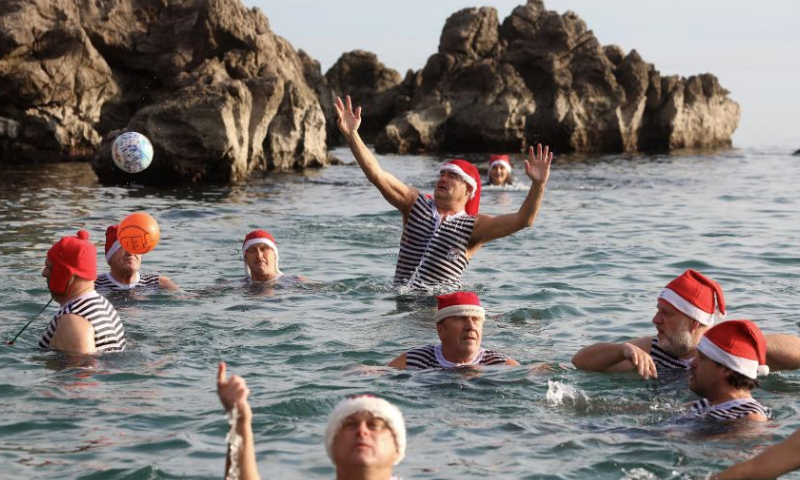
(71,256)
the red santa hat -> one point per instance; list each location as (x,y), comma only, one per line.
(71,256)
(459,304)
(379,408)
(738,345)
(112,243)
(696,296)
(254,238)
(503,160)
(469,173)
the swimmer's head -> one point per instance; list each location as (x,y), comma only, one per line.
(499,170)
(122,262)
(696,296)
(365,429)
(69,258)
(467,172)
(260,252)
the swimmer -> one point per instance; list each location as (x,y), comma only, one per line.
(773,462)
(86,322)
(500,171)
(365,437)
(459,323)
(261,257)
(729,358)
(124,275)
(441,233)
(687,307)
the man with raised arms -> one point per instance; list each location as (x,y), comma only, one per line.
(86,322)
(729,358)
(441,233)
(686,308)
(365,437)
(124,273)
(459,323)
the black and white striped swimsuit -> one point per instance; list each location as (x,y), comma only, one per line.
(730,410)
(433,250)
(431,356)
(109,334)
(666,363)
(106,284)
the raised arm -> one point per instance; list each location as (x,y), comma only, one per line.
(397,193)
(783,351)
(488,228)
(233,392)
(617,357)
(771,463)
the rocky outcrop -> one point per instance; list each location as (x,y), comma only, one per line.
(544,77)
(217,93)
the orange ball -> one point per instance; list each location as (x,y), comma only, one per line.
(138,233)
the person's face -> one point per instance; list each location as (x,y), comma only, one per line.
(48,265)
(451,187)
(498,175)
(462,334)
(705,376)
(364,440)
(674,330)
(125,263)
(260,258)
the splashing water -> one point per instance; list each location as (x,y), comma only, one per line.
(235,443)
(560,394)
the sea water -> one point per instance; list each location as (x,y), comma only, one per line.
(612,231)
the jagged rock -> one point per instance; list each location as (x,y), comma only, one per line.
(544,77)
(217,93)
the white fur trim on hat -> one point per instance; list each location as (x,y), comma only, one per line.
(746,366)
(449,167)
(687,308)
(502,162)
(459,311)
(378,407)
(111,251)
(256,241)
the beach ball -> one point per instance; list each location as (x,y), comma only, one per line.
(138,233)
(132,152)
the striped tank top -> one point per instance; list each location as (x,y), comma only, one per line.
(433,250)
(665,362)
(109,334)
(106,284)
(730,410)
(431,356)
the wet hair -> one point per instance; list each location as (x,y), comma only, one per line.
(741,382)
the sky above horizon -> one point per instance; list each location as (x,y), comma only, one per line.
(753,48)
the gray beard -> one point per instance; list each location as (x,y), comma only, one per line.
(679,345)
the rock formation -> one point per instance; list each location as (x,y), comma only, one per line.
(544,77)
(217,93)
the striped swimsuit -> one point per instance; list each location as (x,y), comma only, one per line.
(666,363)
(730,410)
(431,356)
(109,334)
(433,250)
(106,284)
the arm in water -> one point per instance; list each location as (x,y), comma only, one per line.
(400,195)
(617,357)
(488,228)
(771,463)
(232,393)
(783,352)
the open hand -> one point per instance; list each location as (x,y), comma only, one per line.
(537,165)
(347,119)
(641,360)
(233,392)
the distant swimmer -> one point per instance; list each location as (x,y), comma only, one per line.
(86,322)
(124,275)
(459,323)
(365,437)
(687,307)
(729,358)
(261,257)
(773,462)
(441,233)
(500,171)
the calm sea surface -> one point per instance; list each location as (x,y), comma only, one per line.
(611,233)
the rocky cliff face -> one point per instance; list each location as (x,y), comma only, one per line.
(217,93)
(544,77)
